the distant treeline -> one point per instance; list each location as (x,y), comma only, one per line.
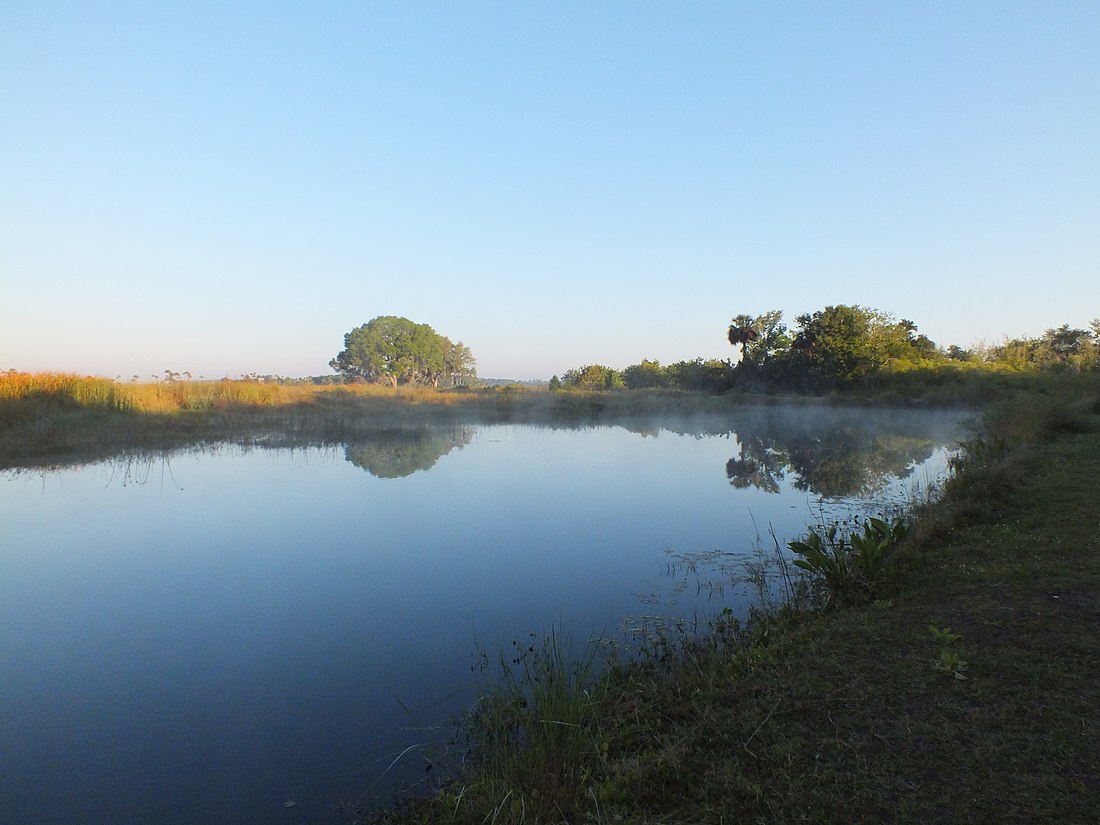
(839,347)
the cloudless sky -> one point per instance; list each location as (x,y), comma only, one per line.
(229,187)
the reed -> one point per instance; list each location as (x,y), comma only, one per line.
(60,389)
(536,731)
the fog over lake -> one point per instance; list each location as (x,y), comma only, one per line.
(209,635)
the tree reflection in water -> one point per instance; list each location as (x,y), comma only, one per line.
(395,452)
(849,458)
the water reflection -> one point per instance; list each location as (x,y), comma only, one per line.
(834,462)
(395,452)
(830,452)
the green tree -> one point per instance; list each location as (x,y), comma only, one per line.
(957,353)
(593,377)
(837,345)
(843,344)
(771,340)
(393,350)
(1063,341)
(711,376)
(459,364)
(646,375)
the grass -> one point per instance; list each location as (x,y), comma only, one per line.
(967,691)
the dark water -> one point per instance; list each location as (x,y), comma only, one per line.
(205,637)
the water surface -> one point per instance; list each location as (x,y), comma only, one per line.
(206,636)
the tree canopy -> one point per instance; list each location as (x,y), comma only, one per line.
(393,350)
(832,347)
(835,348)
(593,377)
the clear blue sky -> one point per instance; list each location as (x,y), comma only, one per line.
(230,187)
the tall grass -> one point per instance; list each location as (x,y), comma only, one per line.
(45,390)
(61,389)
(537,730)
(73,390)
(535,744)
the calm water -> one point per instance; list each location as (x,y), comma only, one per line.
(204,637)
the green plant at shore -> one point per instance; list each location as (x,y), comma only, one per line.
(536,731)
(848,564)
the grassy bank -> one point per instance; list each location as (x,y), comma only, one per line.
(966,689)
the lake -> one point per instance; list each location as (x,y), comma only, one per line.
(210,635)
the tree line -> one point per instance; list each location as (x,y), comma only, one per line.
(837,347)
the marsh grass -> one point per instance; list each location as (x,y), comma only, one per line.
(25,394)
(538,727)
(49,418)
(534,740)
(975,384)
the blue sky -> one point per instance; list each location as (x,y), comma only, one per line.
(230,187)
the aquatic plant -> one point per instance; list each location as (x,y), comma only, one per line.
(534,734)
(851,563)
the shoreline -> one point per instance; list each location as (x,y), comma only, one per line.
(967,689)
(79,420)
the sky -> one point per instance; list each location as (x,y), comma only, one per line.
(230,187)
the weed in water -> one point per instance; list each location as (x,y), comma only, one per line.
(535,733)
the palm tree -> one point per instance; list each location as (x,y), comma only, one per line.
(742,332)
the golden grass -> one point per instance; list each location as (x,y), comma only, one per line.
(65,388)
(73,390)
(49,417)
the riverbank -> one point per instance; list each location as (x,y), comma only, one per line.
(49,418)
(967,690)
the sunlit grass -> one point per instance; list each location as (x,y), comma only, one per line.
(72,390)
(48,417)
(62,388)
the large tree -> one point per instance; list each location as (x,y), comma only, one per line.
(393,350)
(840,344)
(761,338)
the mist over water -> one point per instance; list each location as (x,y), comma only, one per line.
(207,636)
